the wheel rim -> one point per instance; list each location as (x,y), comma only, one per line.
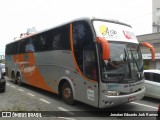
(13,78)
(19,80)
(67,93)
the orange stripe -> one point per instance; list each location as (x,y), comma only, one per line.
(30,71)
(74,59)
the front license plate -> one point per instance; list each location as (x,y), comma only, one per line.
(130,99)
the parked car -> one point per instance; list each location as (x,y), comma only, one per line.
(158,113)
(152,83)
(2,80)
(2,69)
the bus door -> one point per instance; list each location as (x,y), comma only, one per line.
(90,73)
(86,84)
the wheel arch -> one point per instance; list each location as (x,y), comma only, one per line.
(18,73)
(13,73)
(62,81)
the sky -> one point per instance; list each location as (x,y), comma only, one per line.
(18,15)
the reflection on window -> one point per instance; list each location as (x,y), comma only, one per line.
(56,41)
(156,77)
(29,46)
(89,62)
(12,48)
(83,49)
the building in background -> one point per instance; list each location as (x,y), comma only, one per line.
(2,58)
(29,32)
(155,16)
(153,38)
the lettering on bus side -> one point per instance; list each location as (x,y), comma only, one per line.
(106,31)
(110,86)
(133,84)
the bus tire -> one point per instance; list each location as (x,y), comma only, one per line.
(14,78)
(19,80)
(67,93)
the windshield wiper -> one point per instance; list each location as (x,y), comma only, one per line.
(134,61)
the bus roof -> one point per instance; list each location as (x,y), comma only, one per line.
(73,20)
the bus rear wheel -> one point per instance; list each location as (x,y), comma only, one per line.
(19,80)
(67,94)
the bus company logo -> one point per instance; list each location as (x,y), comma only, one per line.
(110,86)
(129,35)
(103,30)
(106,31)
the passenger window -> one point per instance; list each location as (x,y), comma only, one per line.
(29,46)
(156,77)
(54,39)
(12,49)
(22,46)
(59,39)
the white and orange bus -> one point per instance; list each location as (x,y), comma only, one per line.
(95,61)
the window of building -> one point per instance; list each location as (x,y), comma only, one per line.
(158,12)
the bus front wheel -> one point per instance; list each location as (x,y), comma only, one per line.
(67,93)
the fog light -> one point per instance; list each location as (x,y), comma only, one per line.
(108,103)
(110,93)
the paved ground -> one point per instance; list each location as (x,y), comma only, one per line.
(27,99)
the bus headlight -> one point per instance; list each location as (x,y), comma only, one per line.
(111,93)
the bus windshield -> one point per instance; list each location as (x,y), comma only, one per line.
(125,63)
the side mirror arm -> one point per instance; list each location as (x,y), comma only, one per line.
(105,48)
(145,44)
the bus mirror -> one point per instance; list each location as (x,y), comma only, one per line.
(145,44)
(105,48)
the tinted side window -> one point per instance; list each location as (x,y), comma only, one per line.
(148,76)
(55,39)
(29,46)
(12,48)
(59,38)
(81,36)
(39,42)
(26,46)
(22,46)
(156,77)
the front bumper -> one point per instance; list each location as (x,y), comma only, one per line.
(110,101)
